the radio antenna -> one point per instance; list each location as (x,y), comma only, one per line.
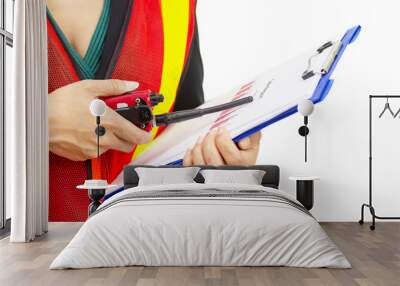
(178,116)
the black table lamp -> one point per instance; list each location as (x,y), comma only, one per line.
(305,107)
(98,109)
(96,187)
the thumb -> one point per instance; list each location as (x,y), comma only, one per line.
(110,87)
(255,139)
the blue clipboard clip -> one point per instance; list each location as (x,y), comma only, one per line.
(308,73)
(322,89)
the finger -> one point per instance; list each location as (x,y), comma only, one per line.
(197,155)
(187,159)
(209,149)
(102,150)
(255,139)
(124,129)
(227,148)
(113,142)
(245,144)
(109,87)
(91,152)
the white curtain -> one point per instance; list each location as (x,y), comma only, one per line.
(26,119)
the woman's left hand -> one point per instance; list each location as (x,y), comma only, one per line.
(217,148)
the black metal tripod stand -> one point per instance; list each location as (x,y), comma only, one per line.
(370,205)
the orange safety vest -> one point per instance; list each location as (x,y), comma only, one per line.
(153,50)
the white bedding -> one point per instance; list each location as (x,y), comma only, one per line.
(184,230)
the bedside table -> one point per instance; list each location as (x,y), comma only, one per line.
(305,190)
(96,192)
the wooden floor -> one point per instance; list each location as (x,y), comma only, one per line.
(375,257)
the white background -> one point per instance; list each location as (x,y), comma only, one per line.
(240,39)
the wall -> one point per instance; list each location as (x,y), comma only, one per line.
(240,39)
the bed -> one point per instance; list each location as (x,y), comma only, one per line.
(201,224)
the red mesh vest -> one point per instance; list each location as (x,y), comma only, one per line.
(154,52)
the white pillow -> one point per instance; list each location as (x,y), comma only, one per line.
(166,176)
(246,177)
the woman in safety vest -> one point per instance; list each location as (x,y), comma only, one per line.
(99,48)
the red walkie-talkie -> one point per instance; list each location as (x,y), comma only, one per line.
(137,107)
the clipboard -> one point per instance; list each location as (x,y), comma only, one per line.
(319,94)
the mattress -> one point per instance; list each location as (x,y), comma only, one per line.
(201,225)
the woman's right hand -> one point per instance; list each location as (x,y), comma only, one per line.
(72,126)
